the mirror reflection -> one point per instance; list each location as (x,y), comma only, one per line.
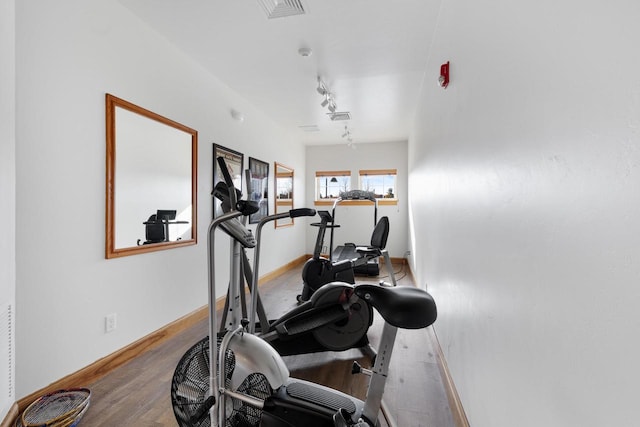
(284,193)
(151,184)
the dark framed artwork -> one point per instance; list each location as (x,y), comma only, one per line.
(235,166)
(259,188)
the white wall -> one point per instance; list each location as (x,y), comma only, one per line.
(356,222)
(7,194)
(525,207)
(69,54)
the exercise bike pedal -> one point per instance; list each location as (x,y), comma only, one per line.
(356,368)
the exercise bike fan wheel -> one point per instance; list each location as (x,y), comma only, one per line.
(190,390)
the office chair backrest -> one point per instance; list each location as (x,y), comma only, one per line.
(154,231)
(380,233)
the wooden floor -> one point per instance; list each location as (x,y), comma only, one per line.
(138,393)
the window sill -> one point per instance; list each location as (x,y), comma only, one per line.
(381,202)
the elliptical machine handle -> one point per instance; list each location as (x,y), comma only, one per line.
(227,178)
(295,213)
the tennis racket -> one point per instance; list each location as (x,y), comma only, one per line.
(62,408)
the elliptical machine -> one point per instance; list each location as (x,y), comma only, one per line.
(241,381)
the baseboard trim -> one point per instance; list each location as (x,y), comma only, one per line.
(101,367)
(396,260)
(11,417)
(288,266)
(457,410)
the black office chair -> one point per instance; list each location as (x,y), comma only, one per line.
(154,231)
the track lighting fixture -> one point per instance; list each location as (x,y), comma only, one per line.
(322,88)
(347,134)
(329,102)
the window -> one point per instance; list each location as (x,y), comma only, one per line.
(284,182)
(329,184)
(381,181)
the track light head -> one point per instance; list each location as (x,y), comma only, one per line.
(322,88)
(328,101)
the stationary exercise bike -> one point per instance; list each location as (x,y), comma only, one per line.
(318,271)
(241,380)
(333,320)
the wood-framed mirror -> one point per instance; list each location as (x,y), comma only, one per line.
(151,181)
(284,193)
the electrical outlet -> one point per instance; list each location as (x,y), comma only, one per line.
(407,253)
(110,322)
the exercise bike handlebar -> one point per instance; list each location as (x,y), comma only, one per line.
(293,213)
(213,327)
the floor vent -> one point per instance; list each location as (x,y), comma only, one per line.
(281,8)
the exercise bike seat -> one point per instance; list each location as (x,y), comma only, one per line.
(368,251)
(404,307)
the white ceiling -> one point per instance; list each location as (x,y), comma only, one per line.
(370,53)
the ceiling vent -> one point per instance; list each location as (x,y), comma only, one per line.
(281,8)
(339,116)
(309,128)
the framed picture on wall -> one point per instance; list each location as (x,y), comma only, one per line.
(235,166)
(259,188)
